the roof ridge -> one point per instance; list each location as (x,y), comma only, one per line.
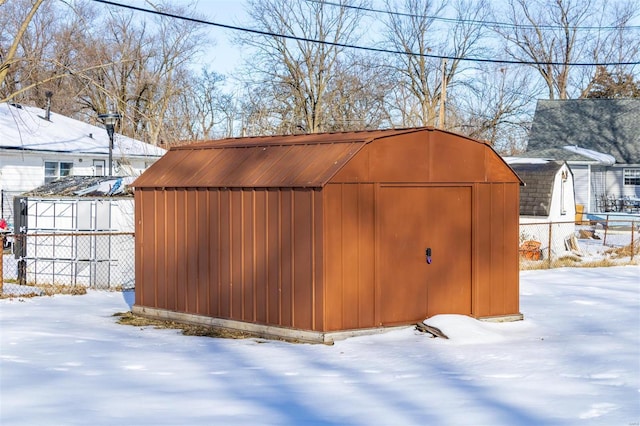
(311,138)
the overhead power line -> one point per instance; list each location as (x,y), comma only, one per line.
(474,21)
(357,47)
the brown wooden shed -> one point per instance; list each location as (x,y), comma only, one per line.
(319,236)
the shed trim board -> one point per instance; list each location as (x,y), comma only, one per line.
(334,241)
(283,333)
(265,331)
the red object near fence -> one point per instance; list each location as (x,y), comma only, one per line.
(530,250)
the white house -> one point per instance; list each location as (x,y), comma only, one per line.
(547,203)
(38,146)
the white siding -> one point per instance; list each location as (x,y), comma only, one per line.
(581,187)
(614,182)
(562,214)
(598,185)
(20,172)
(24,171)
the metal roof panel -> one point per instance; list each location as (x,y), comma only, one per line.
(309,160)
(292,165)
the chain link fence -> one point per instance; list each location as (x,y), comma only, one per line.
(34,264)
(583,243)
(45,263)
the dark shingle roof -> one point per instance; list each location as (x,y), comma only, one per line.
(610,126)
(535,196)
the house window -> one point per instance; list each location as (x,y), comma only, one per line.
(631,176)
(54,170)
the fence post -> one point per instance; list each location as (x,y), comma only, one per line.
(1,262)
(549,245)
(633,226)
(20,251)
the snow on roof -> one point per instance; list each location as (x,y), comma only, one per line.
(25,128)
(525,160)
(600,157)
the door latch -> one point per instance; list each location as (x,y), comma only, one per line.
(428,255)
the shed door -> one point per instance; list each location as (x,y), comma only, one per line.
(410,220)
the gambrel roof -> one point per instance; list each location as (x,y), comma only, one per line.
(609,126)
(539,179)
(306,160)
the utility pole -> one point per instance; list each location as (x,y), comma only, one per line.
(443,94)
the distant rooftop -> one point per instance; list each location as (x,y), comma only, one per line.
(609,126)
(25,128)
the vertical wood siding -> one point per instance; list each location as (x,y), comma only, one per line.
(241,254)
(349,261)
(495,242)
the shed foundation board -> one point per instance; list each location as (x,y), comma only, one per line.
(503,318)
(259,330)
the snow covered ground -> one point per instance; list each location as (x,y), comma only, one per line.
(575,359)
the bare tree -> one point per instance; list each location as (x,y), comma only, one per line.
(14,59)
(552,35)
(495,106)
(94,63)
(264,111)
(146,71)
(615,40)
(411,29)
(299,69)
(50,52)
(544,34)
(417,29)
(203,110)
(357,94)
